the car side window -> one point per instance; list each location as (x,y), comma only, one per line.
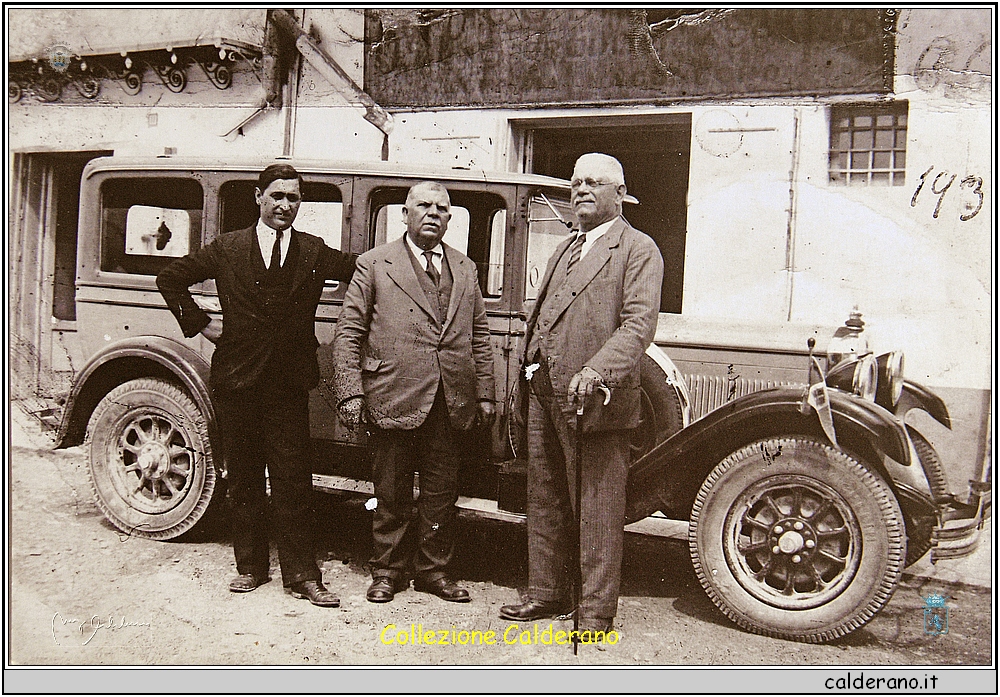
(148,221)
(547,227)
(477,229)
(321,212)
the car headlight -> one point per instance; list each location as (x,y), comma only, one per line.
(890,379)
(865,382)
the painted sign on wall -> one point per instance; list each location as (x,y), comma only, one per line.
(495,57)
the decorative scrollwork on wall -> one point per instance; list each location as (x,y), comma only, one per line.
(218,73)
(173,77)
(37,78)
(88,86)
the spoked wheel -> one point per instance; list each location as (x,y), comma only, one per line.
(795,539)
(150,459)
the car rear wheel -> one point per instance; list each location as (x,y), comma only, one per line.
(151,466)
(795,539)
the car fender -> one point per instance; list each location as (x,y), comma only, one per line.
(916,396)
(118,362)
(667,478)
(674,378)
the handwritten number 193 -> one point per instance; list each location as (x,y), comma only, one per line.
(939,190)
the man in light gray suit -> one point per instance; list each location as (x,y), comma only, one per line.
(412,349)
(596,313)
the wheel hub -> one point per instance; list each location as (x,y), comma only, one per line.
(792,535)
(154,460)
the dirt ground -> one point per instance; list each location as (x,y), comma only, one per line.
(81,593)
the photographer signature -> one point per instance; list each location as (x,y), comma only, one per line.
(90,627)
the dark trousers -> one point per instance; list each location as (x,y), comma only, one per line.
(551,502)
(268,425)
(422,545)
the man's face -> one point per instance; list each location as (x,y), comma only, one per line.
(279,203)
(426,214)
(595,197)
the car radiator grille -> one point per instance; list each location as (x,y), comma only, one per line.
(710,392)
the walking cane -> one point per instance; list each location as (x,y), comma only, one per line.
(578,581)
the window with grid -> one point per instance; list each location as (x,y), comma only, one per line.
(868,144)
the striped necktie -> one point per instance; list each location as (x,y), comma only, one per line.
(575,251)
(431,269)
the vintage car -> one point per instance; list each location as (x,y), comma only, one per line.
(804,501)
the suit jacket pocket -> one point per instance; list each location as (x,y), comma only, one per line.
(371,364)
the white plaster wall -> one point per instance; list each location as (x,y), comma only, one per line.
(477,139)
(738,199)
(336,131)
(193,131)
(340,33)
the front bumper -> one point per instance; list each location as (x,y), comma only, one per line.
(957,534)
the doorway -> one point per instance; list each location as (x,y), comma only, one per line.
(45,205)
(655,154)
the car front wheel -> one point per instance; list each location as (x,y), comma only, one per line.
(150,459)
(795,539)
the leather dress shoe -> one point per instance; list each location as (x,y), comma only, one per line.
(444,588)
(244,583)
(382,590)
(591,628)
(315,593)
(531,610)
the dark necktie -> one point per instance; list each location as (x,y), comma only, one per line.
(575,251)
(431,269)
(276,252)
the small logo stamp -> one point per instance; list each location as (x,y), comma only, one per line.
(59,57)
(935,614)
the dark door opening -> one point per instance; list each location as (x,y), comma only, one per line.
(67,168)
(656,159)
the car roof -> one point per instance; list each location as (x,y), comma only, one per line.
(306,167)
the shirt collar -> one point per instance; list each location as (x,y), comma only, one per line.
(593,234)
(267,232)
(418,252)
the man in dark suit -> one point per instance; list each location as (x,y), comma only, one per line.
(269,279)
(412,348)
(596,313)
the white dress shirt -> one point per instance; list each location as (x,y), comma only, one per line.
(437,253)
(592,236)
(265,238)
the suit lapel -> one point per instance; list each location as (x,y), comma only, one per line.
(544,287)
(460,282)
(400,270)
(308,251)
(243,251)
(587,269)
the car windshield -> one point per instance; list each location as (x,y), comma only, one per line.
(550,219)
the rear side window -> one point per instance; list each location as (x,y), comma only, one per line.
(321,212)
(146,222)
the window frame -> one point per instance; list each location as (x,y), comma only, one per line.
(854,123)
(196,234)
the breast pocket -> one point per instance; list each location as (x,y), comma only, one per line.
(370,364)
